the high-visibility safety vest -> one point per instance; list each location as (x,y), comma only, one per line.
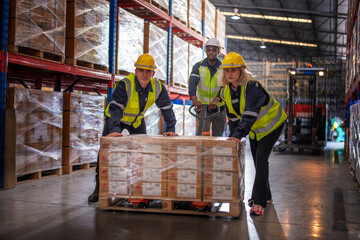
(207,89)
(270,117)
(131,111)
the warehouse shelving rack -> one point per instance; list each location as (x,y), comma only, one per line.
(46,73)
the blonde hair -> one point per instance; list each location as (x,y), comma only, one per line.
(245,76)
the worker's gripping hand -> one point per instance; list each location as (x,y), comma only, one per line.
(114,134)
(233,139)
(170,134)
(213,103)
(198,105)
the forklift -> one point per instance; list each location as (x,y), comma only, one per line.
(306,127)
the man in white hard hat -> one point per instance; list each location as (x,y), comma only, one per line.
(203,87)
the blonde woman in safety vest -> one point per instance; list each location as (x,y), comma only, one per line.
(132,96)
(251,111)
(203,87)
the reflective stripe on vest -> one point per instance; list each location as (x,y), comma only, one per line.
(131,113)
(268,119)
(207,88)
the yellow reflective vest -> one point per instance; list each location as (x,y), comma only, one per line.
(270,117)
(131,112)
(207,89)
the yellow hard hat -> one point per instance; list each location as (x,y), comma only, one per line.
(145,61)
(233,60)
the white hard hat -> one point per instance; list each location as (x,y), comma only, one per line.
(213,42)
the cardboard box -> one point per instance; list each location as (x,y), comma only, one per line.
(220,193)
(184,191)
(221,163)
(118,188)
(148,189)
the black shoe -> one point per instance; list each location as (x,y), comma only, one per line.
(94,197)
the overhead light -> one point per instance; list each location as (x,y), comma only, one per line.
(262,46)
(236,15)
(267,17)
(292,72)
(300,44)
(321,73)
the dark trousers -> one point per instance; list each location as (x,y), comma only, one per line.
(260,151)
(139,130)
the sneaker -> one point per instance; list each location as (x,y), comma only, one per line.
(251,202)
(257,210)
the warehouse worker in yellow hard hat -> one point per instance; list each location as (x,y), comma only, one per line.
(251,110)
(203,87)
(132,96)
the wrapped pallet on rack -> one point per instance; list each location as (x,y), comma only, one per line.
(195,55)
(87,33)
(83,125)
(208,15)
(179,62)
(37,28)
(180,10)
(220,28)
(158,40)
(354,141)
(33,133)
(194,15)
(131,40)
(161,4)
(186,175)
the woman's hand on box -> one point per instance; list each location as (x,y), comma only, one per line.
(114,134)
(233,139)
(170,134)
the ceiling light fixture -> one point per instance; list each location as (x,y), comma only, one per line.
(300,44)
(236,15)
(267,17)
(262,46)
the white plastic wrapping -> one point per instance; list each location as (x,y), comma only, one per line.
(92,31)
(180,61)
(34,130)
(131,40)
(195,55)
(354,139)
(210,12)
(179,115)
(189,122)
(178,168)
(158,49)
(220,28)
(152,120)
(41,25)
(180,9)
(195,15)
(163,3)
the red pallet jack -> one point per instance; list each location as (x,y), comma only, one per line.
(203,115)
(139,203)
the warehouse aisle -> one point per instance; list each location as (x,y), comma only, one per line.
(314,198)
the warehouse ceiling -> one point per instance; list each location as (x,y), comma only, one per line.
(322,26)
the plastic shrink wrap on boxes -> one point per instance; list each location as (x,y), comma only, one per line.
(195,55)
(40,24)
(152,120)
(195,15)
(220,28)
(180,9)
(158,49)
(354,140)
(180,62)
(179,115)
(162,3)
(83,126)
(33,130)
(92,31)
(209,19)
(131,40)
(189,122)
(179,168)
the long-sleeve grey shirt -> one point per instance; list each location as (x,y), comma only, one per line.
(120,97)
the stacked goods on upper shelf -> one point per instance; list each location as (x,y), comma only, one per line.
(162,4)
(92,31)
(38,25)
(195,14)
(208,15)
(220,28)
(83,125)
(195,55)
(131,40)
(158,40)
(180,10)
(179,62)
(33,132)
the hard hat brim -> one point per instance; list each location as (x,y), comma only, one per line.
(147,68)
(233,66)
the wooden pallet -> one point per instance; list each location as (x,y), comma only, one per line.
(195,30)
(38,175)
(179,85)
(170,206)
(86,64)
(180,20)
(36,53)
(158,6)
(66,169)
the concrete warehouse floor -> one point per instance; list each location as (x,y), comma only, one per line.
(314,198)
